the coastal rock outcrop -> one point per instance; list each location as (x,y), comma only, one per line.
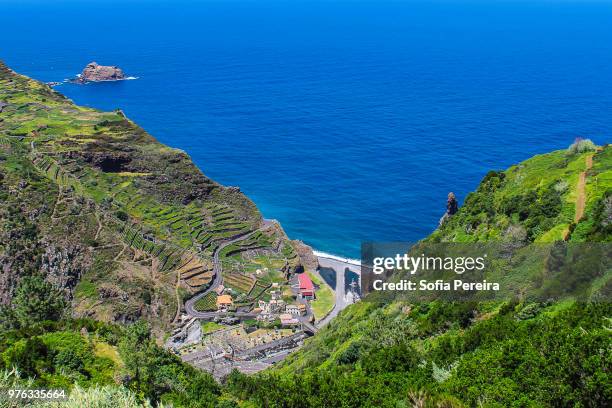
(94,72)
(308,259)
(452,206)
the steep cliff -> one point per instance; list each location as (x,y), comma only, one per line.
(125,226)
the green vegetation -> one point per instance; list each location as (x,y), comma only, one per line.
(209,327)
(160,376)
(89,202)
(489,354)
(86,357)
(207,303)
(101,225)
(238,282)
(43,349)
(387,358)
(58,359)
(93,223)
(35,301)
(532,201)
(324,302)
(581,146)
(102,349)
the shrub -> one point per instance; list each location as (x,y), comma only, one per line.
(11,379)
(122,215)
(351,354)
(581,146)
(29,356)
(561,187)
(103,397)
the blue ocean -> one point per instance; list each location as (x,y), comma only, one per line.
(347,120)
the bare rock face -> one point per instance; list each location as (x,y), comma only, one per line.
(308,259)
(94,72)
(63,265)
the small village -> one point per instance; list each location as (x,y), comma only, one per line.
(251,339)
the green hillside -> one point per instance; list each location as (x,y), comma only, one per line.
(490,354)
(535,201)
(122,224)
(104,233)
(101,227)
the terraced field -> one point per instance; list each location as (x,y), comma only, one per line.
(203,227)
(258,240)
(207,304)
(6,141)
(194,271)
(53,171)
(149,211)
(248,253)
(259,289)
(238,282)
(197,272)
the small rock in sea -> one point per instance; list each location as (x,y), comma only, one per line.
(94,72)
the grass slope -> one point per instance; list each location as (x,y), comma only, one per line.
(324,302)
(491,354)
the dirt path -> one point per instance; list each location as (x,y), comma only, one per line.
(581,197)
(99,226)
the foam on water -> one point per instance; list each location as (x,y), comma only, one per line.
(349,261)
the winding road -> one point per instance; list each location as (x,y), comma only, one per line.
(218,280)
(338,265)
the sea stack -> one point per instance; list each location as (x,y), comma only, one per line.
(94,72)
(452,206)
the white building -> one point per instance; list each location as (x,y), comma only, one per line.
(292,310)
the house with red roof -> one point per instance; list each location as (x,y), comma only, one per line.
(307,289)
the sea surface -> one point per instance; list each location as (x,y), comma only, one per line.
(348,121)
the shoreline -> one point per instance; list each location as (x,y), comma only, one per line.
(326,256)
(348,261)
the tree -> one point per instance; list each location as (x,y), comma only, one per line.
(8,320)
(157,375)
(351,354)
(37,300)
